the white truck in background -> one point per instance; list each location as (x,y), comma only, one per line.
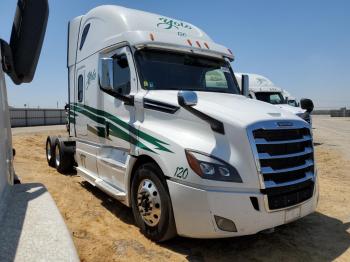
(158,122)
(31,227)
(290,100)
(263,89)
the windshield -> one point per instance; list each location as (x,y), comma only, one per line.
(160,70)
(270,97)
(293,103)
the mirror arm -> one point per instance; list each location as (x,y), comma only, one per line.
(8,63)
(215,124)
(128,100)
(245,85)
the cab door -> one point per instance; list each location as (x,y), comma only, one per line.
(120,135)
(80,119)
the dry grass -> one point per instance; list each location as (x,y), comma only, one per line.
(103,229)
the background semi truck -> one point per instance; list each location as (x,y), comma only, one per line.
(290,100)
(31,226)
(263,89)
(157,120)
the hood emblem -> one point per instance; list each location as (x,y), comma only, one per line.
(284,124)
(275,114)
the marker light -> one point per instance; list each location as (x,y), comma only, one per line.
(151,36)
(199,45)
(206,45)
(230,51)
(189,42)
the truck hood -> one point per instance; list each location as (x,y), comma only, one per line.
(291,109)
(228,108)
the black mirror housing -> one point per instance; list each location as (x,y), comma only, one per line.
(307,104)
(245,85)
(28,31)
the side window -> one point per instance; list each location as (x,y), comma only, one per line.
(215,79)
(80,88)
(84,35)
(121,74)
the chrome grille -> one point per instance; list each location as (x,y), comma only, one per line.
(285,159)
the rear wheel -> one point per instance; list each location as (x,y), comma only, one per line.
(63,157)
(50,150)
(151,203)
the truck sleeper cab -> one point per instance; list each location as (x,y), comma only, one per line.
(157,121)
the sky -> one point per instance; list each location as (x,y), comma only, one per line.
(302,46)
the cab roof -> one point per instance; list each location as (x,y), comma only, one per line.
(109,25)
(259,83)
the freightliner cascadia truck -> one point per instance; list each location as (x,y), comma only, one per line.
(263,89)
(157,120)
(290,100)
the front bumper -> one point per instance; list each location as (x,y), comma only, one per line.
(194,211)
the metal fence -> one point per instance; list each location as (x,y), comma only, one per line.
(342,112)
(321,112)
(21,117)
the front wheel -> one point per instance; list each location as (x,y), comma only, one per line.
(151,203)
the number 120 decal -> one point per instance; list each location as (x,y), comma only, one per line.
(181,173)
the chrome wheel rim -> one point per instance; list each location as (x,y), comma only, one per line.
(57,155)
(148,202)
(48,151)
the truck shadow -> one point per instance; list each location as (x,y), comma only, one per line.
(12,222)
(118,209)
(314,238)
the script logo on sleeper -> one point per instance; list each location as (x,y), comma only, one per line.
(167,23)
(91,77)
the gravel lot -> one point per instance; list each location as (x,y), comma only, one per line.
(103,229)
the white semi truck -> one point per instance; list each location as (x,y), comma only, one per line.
(263,89)
(157,121)
(290,100)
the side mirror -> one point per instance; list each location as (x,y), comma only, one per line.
(307,104)
(105,74)
(187,98)
(106,78)
(121,63)
(20,57)
(245,85)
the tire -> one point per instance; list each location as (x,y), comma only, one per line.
(155,220)
(50,150)
(63,157)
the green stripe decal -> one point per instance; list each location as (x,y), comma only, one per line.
(98,131)
(158,143)
(101,117)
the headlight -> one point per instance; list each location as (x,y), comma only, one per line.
(212,168)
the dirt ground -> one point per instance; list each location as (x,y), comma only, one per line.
(103,229)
